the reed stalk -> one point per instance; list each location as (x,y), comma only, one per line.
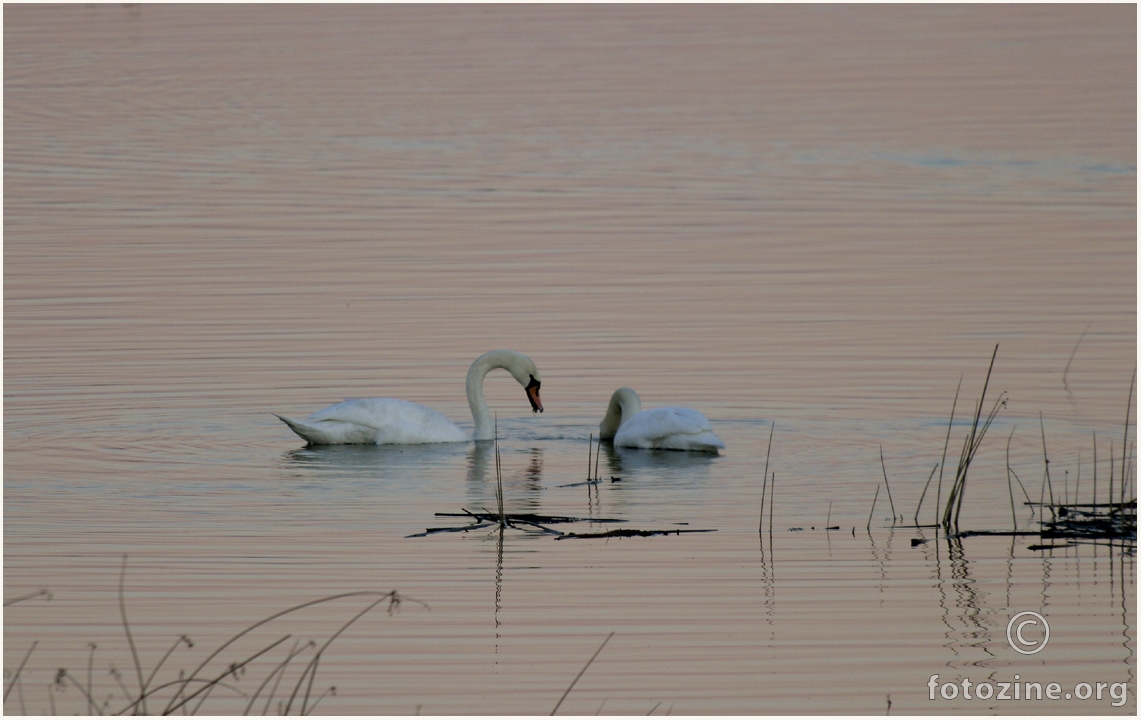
(971,445)
(20,669)
(765,478)
(888,486)
(278,673)
(90,679)
(1046,460)
(1112,471)
(589,445)
(1095,467)
(1009,485)
(580,672)
(1071,360)
(873,510)
(946,444)
(185,681)
(1078,479)
(924,493)
(597,454)
(772,500)
(499,475)
(130,639)
(1125,441)
(38,593)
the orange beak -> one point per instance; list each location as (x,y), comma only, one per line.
(533,395)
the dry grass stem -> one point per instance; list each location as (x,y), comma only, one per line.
(580,672)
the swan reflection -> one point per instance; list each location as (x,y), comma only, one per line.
(375,461)
(522,472)
(665,465)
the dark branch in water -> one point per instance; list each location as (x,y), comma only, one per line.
(532,520)
(628,532)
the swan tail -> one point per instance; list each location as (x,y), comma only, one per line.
(329,432)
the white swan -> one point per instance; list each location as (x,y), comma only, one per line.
(667,428)
(385,421)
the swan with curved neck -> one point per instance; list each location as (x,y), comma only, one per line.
(666,428)
(384,421)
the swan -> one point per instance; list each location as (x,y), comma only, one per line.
(667,428)
(385,421)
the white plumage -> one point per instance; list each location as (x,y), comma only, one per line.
(385,421)
(664,428)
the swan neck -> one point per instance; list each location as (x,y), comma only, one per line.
(484,426)
(512,362)
(624,404)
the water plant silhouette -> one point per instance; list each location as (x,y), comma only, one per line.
(188,692)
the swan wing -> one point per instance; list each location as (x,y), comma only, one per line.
(379,421)
(668,428)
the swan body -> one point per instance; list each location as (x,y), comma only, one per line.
(666,428)
(386,421)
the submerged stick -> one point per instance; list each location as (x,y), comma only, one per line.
(580,672)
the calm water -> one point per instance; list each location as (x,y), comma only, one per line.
(818,217)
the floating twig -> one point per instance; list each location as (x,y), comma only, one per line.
(630,532)
(487,519)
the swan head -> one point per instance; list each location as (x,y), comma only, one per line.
(532,389)
(521,367)
(624,404)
